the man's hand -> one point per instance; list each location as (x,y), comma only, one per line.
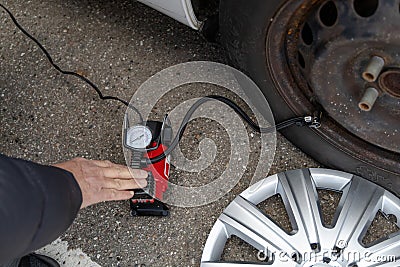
(103,180)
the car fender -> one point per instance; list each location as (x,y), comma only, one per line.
(180,10)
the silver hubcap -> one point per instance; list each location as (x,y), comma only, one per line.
(311,242)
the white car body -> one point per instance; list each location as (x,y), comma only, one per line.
(180,10)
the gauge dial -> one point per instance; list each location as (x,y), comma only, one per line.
(138,136)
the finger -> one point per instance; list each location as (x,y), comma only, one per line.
(138,174)
(116,171)
(123,184)
(112,194)
(103,163)
(79,159)
(122,172)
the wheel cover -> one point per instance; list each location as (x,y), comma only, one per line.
(359,203)
(318,64)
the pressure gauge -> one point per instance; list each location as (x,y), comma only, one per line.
(138,137)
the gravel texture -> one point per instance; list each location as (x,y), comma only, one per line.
(47,117)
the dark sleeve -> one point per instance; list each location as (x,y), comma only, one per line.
(37,204)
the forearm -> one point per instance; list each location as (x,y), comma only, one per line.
(38,203)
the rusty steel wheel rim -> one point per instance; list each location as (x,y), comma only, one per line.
(322,62)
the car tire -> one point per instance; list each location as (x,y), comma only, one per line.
(244,27)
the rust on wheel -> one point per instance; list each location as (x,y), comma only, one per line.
(342,57)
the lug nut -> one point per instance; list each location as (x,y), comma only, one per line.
(373,69)
(368,99)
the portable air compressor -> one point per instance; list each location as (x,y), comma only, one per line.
(145,141)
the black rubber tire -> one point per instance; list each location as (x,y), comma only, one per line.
(243,27)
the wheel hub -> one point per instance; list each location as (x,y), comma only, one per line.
(328,46)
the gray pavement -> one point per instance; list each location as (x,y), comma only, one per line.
(47,117)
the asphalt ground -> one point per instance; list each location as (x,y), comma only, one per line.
(48,118)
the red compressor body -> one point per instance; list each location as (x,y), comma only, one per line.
(148,201)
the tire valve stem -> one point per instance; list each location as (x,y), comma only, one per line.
(368,100)
(373,69)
